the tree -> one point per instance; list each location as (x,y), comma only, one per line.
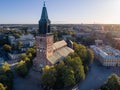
(32,51)
(68,76)
(6,82)
(7,48)
(16,35)
(30,55)
(19,45)
(2,87)
(22,69)
(60,70)
(49,76)
(76,64)
(24,57)
(81,51)
(88,40)
(85,54)
(113,83)
(6,67)
(90,57)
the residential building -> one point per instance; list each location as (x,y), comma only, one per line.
(26,41)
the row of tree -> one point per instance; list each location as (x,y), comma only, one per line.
(86,55)
(69,71)
(25,62)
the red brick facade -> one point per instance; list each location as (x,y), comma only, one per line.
(44,50)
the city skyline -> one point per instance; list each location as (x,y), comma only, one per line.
(60,12)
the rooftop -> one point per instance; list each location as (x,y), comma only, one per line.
(60,54)
(59,45)
(106,51)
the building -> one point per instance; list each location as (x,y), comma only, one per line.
(1,61)
(26,41)
(13,56)
(48,52)
(99,42)
(107,55)
(117,43)
(65,37)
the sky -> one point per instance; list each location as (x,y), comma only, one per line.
(60,11)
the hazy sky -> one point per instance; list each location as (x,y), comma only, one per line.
(60,11)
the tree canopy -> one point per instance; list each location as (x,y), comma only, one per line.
(113,83)
(63,74)
(49,76)
(6,67)
(69,71)
(2,87)
(22,69)
(86,55)
(7,48)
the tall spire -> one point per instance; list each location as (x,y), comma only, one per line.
(44,12)
(44,3)
(44,23)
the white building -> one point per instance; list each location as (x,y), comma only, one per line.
(26,40)
(107,55)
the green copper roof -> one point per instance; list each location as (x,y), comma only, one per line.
(44,23)
(44,15)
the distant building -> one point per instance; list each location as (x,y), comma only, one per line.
(65,37)
(117,43)
(82,34)
(1,61)
(13,56)
(107,55)
(48,52)
(26,40)
(99,42)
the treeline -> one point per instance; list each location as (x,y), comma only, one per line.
(69,71)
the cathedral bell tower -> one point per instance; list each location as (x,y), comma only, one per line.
(44,41)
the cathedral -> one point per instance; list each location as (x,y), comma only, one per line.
(48,52)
